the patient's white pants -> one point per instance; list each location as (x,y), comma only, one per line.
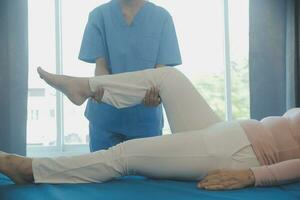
(200,141)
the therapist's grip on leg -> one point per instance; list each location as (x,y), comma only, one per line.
(98,95)
(152,98)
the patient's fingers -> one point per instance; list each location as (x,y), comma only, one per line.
(227,179)
(215,187)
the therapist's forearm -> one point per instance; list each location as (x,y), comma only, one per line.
(100,71)
(101,67)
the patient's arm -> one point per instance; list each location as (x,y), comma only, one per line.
(277,174)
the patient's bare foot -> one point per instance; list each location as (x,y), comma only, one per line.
(76,89)
(17,168)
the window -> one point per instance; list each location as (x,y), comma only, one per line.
(213,36)
(239,57)
(216,64)
(73,24)
(55,32)
(41,99)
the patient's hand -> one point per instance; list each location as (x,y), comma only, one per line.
(227,180)
(152,97)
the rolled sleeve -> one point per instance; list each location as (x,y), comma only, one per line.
(277,174)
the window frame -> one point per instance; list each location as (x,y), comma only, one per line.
(61,149)
(227,57)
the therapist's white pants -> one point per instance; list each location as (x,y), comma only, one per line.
(200,141)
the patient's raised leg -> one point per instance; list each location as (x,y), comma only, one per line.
(185,107)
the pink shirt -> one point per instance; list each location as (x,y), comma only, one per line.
(276,143)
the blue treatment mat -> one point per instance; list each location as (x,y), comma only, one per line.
(132,188)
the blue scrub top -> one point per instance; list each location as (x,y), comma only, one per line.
(150,40)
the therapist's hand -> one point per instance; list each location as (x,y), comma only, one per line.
(98,95)
(152,97)
(227,180)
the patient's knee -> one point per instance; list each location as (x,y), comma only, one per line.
(119,157)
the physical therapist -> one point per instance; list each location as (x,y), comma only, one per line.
(125,36)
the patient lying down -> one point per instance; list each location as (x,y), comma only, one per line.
(219,155)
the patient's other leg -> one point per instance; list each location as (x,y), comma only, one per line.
(93,167)
(17,168)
